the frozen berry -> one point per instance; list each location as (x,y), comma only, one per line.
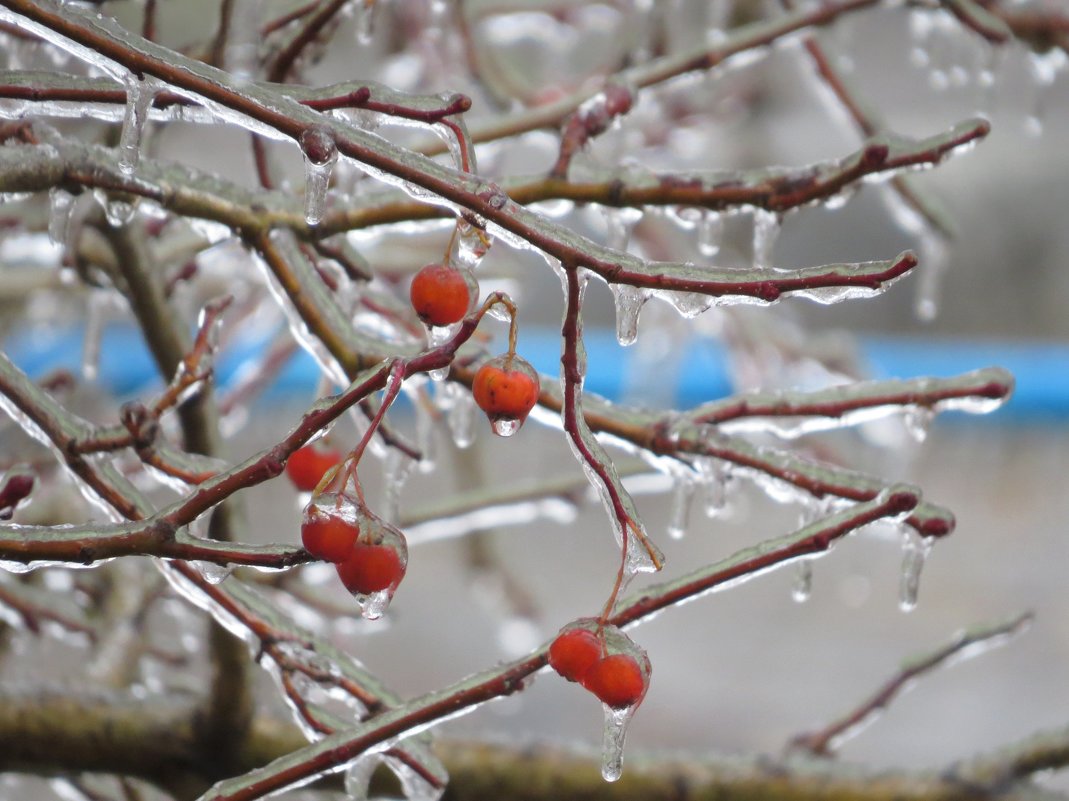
(442,294)
(306,465)
(327,536)
(371,568)
(506,388)
(616,680)
(574,652)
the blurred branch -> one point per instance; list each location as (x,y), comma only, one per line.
(971,642)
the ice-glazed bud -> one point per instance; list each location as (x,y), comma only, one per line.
(576,649)
(375,565)
(443,294)
(329,529)
(308,464)
(621,675)
(506,388)
(317,143)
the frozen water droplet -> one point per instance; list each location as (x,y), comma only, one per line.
(472,244)
(140,91)
(505,426)
(766,228)
(398,468)
(803,582)
(213,573)
(710,234)
(358,776)
(619,223)
(499,312)
(365,22)
(679,513)
(117,211)
(714,475)
(629,302)
(60,206)
(320,156)
(461,416)
(915,550)
(612,746)
(918,420)
(934,261)
(427,784)
(688,304)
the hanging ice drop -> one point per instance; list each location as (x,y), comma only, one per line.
(679,512)
(766,227)
(612,744)
(629,302)
(140,91)
(803,582)
(915,551)
(710,234)
(320,156)
(60,206)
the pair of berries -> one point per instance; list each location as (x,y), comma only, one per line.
(369,554)
(603,660)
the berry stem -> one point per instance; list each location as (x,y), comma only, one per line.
(447,258)
(393,386)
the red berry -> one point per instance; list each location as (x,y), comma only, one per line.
(574,652)
(506,388)
(371,568)
(326,536)
(306,465)
(616,680)
(441,294)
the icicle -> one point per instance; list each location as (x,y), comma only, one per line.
(915,550)
(803,582)
(619,223)
(934,261)
(365,22)
(612,746)
(117,211)
(140,92)
(60,207)
(320,156)
(629,302)
(472,244)
(688,304)
(426,438)
(710,234)
(398,468)
(95,312)
(679,513)
(415,784)
(766,227)
(211,572)
(358,776)
(918,420)
(461,417)
(714,476)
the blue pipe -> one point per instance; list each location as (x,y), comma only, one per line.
(1041,368)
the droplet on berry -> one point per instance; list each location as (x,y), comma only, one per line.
(506,388)
(443,294)
(375,566)
(328,530)
(307,465)
(576,649)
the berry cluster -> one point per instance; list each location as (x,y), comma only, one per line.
(369,554)
(604,660)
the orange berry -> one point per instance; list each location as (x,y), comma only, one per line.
(326,536)
(371,568)
(506,388)
(442,294)
(616,680)
(307,464)
(574,652)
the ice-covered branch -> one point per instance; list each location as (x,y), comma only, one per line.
(965,644)
(336,750)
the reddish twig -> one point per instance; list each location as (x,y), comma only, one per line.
(971,642)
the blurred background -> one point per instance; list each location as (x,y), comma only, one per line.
(745,670)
